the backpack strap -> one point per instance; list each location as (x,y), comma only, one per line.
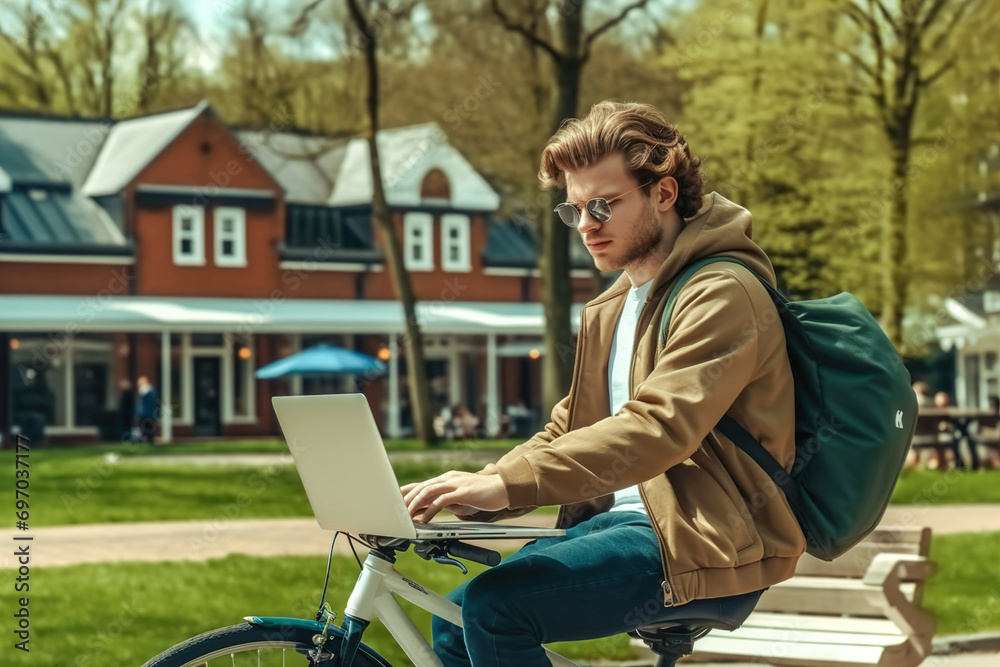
(727,425)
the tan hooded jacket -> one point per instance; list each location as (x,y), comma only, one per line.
(723,527)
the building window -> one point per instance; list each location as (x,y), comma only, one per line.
(455,242)
(64,382)
(419,243)
(189,235)
(230,236)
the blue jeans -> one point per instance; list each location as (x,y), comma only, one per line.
(602,578)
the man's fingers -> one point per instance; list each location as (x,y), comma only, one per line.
(423,498)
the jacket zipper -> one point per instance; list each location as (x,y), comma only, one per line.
(668,591)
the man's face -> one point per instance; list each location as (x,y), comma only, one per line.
(634,230)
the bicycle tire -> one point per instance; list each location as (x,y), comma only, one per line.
(221,646)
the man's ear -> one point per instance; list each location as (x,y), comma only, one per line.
(667,192)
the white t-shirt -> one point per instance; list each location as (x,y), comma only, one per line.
(619,365)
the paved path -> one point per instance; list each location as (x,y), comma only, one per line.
(215,538)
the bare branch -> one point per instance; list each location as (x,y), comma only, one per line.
(865,67)
(930,79)
(528,35)
(949,29)
(607,25)
(301,22)
(932,14)
(886,15)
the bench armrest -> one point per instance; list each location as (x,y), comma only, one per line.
(884,578)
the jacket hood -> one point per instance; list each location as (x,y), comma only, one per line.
(720,227)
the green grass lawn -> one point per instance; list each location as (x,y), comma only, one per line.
(964,590)
(124,613)
(932,487)
(86,485)
(111,483)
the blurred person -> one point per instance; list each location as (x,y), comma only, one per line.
(946,434)
(924,400)
(466,422)
(922,391)
(126,409)
(147,410)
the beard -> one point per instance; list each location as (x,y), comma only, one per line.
(642,240)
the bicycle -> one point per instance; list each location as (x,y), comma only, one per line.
(272,640)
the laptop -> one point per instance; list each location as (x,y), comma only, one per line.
(346,473)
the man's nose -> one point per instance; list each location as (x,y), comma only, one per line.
(586,222)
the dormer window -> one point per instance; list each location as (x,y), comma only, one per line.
(455,242)
(418,242)
(189,236)
(435,187)
(230,236)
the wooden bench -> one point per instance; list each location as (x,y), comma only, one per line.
(860,609)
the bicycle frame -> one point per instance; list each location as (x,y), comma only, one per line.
(374,597)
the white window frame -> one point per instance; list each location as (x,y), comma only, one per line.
(424,222)
(460,222)
(196,235)
(238,236)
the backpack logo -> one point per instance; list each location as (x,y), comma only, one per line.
(899,419)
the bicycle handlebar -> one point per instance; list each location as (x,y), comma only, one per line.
(473,553)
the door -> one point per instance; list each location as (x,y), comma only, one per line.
(207,408)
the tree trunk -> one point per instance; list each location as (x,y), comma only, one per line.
(553,258)
(414,345)
(894,249)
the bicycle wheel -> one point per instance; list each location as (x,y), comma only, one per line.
(246,644)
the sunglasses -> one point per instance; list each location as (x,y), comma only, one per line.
(599,208)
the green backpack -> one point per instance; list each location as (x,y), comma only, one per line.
(855,413)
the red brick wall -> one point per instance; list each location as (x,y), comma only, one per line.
(98,280)
(208,158)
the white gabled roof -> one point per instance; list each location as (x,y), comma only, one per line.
(407,154)
(133,144)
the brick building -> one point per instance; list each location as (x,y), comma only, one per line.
(176,247)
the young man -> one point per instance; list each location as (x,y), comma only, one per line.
(660,508)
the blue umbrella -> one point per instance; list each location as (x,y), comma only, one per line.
(323,359)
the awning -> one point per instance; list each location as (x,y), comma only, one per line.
(74,314)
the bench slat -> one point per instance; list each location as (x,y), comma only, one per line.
(800,636)
(875,626)
(852,564)
(819,655)
(824,595)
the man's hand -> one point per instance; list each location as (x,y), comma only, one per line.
(460,492)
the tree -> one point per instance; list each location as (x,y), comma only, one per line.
(415,366)
(77,60)
(568,53)
(161,62)
(905,52)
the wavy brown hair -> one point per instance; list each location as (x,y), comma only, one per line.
(652,146)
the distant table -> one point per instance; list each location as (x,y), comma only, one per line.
(928,429)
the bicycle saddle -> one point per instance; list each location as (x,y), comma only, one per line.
(673,636)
